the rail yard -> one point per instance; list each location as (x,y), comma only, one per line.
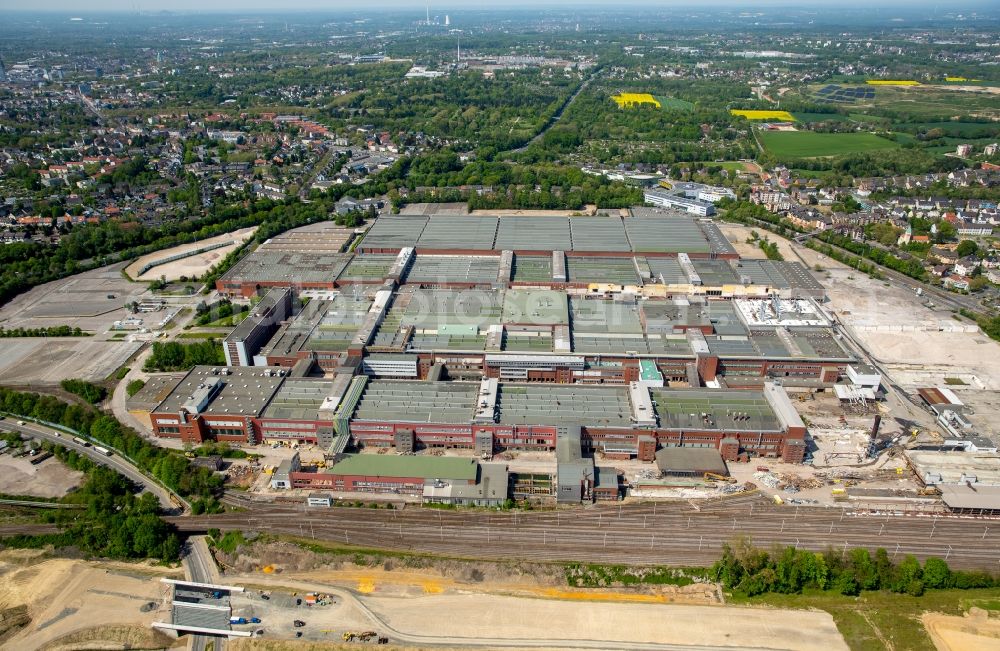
(686,534)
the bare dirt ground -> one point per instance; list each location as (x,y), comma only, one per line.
(738,235)
(48,479)
(991,90)
(73,602)
(918,343)
(589,209)
(191,266)
(454,599)
(974,632)
(493,616)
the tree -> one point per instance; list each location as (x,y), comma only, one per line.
(865,572)
(945,231)
(847,585)
(978,283)
(908,572)
(884,568)
(89,392)
(937,574)
(966,248)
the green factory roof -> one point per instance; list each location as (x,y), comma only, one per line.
(377,465)
(648,370)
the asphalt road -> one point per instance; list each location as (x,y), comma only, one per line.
(115,462)
(671,534)
(558,114)
(200,568)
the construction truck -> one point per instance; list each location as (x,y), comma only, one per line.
(713,476)
(353,636)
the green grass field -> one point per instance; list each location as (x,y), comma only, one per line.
(731,165)
(806,144)
(808,118)
(932,104)
(674,104)
(875,621)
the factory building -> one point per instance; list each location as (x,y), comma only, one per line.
(494,416)
(664,199)
(250,405)
(443,480)
(633,337)
(245,341)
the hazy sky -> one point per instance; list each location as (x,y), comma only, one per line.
(79,6)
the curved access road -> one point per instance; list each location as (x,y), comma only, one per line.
(116,462)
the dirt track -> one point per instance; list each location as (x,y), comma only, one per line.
(969,633)
(191,266)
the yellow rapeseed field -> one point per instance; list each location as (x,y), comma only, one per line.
(625,100)
(781,116)
(892,82)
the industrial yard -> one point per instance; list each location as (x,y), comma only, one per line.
(20,476)
(458,308)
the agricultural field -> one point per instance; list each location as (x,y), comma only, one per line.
(892,82)
(674,104)
(632,100)
(781,116)
(730,165)
(806,144)
(812,118)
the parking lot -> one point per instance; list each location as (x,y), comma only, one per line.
(92,301)
(48,361)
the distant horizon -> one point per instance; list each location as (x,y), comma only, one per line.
(71,8)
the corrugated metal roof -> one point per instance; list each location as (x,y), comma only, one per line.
(378,465)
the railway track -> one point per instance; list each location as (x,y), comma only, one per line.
(635,534)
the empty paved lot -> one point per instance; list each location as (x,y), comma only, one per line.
(81,300)
(49,360)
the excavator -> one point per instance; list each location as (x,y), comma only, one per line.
(713,476)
